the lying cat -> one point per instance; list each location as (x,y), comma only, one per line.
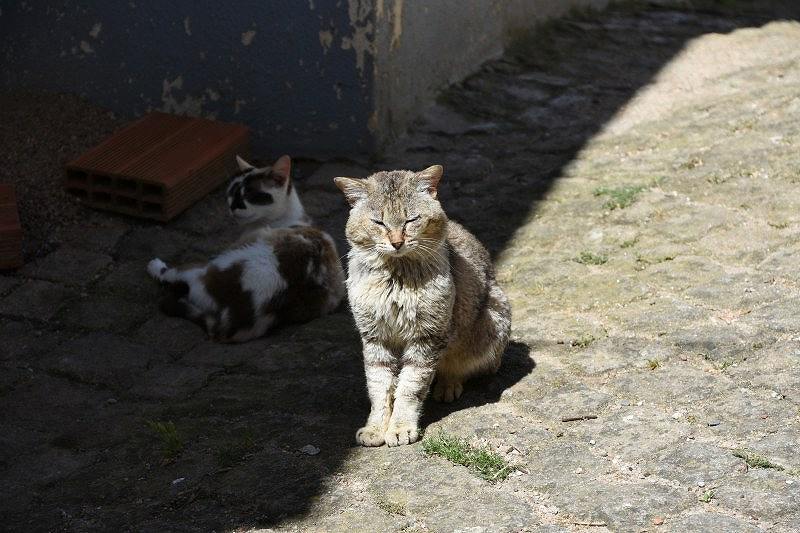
(424,297)
(280,270)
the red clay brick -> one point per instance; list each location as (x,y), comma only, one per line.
(158,165)
(10,229)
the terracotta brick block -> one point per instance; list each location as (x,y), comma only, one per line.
(10,229)
(158,165)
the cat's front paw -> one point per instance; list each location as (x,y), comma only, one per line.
(370,436)
(447,391)
(400,434)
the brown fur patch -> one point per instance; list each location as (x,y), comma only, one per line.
(302,253)
(225,287)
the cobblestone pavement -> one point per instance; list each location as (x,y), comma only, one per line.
(635,175)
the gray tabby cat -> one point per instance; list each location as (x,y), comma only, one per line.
(424,297)
(280,270)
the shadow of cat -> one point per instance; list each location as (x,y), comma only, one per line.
(482,390)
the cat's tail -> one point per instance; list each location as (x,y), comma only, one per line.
(159,270)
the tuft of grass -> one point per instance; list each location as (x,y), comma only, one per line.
(652,364)
(778,225)
(643,262)
(481,461)
(755,460)
(589,258)
(629,243)
(583,341)
(171,442)
(707,496)
(619,197)
(725,364)
(235,451)
(693,162)
(389,506)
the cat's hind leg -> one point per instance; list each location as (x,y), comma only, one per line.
(478,350)
(177,301)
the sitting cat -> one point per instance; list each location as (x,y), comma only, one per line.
(280,270)
(424,297)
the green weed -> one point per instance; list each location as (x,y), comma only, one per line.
(619,197)
(755,460)
(483,462)
(589,258)
(171,442)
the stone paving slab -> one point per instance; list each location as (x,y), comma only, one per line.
(634,174)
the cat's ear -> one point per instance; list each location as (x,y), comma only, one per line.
(428,179)
(244,166)
(353,189)
(282,169)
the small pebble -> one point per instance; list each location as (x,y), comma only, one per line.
(790,482)
(179,480)
(579,470)
(625,403)
(592,442)
(309,449)
(111,400)
(657,521)
(639,403)
(701,483)
(677,415)
(713,423)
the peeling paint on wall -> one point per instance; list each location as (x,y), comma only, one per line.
(363,31)
(183,57)
(326,40)
(248,36)
(190,105)
(397,23)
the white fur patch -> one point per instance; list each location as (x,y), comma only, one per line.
(156,268)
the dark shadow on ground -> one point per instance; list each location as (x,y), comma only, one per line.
(482,390)
(76,453)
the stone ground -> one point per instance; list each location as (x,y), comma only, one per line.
(635,175)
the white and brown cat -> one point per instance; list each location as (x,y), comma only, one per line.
(424,297)
(281,269)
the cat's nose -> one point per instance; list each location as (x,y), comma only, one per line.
(397,244)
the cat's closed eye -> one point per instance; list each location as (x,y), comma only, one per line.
(378,222)
(412,219)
